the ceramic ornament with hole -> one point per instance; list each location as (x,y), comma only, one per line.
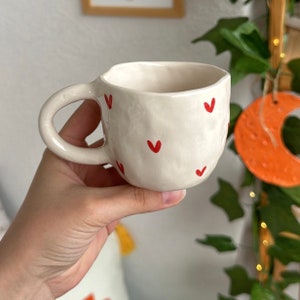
(258,139)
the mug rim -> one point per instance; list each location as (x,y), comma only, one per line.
(226,75)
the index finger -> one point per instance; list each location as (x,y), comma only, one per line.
(82,123)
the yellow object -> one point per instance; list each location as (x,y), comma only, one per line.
(276,42)
(252,194)
(263,225)
(259,267)
(127,244)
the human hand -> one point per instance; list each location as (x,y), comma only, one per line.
(67,215)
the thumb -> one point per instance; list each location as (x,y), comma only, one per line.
(114,203)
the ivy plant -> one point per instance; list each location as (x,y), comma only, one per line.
(249,54)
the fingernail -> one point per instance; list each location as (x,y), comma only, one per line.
(172,198)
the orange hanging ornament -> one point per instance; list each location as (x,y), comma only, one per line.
(258,139)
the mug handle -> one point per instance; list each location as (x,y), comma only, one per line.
(54,141)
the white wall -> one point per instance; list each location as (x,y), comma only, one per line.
(46,45)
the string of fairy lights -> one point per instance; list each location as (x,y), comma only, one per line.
(277,40)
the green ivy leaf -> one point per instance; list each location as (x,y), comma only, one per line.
(261,292)
(294,66)
(284,296)
(244,60)
(231,146)
(214,36)
(227,199)
(221,243)
(249,51)
(235,111)
(293,193)
(278,214)
(240,282)
(249,178)
(241,66)
(265,292)
(288,277)
(286,250)
(290,133)
(248,40)
(255,226)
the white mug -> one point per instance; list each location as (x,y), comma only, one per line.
(165,123)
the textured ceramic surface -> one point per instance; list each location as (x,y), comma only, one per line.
(165,123)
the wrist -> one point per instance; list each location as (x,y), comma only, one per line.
(16,280)
(18,290)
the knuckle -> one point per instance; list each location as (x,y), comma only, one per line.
(139,196)
(146,199)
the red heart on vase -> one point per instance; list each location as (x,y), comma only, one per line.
(108,100)
(154,148)
(200,172)
(210,107)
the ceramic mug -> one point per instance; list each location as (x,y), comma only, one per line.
(165,123)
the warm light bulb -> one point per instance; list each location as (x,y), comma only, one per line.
(252,194)
(259,267)
(276,42)
(263,225)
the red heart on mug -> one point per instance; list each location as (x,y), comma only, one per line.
(210,107)
(108,100)
(120,167)
(154,148)
(200,172)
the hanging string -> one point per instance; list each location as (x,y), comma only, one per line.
(261,112)
(276,45)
